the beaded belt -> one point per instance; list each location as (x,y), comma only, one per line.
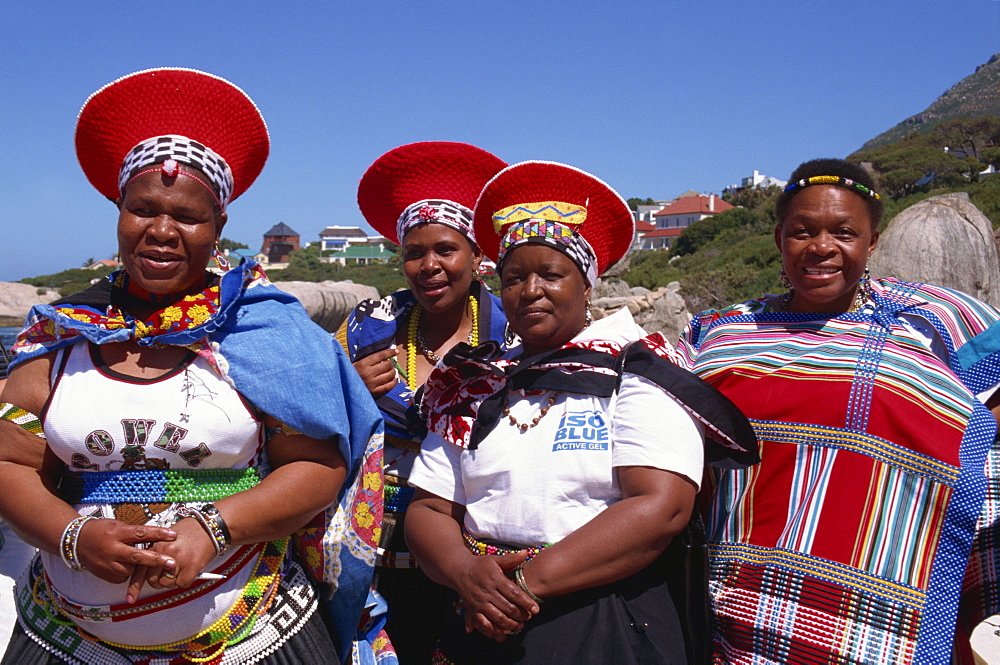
(400,442)
(396,497)
(155,486)
(480,548)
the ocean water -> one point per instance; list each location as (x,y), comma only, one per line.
(7,336)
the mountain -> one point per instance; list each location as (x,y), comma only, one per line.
(975,95)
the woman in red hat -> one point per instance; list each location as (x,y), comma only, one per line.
(556,474)
(419,196)
(165,432)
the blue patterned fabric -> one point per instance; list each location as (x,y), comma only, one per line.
(372,327)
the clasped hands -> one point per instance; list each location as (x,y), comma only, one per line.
(494,604)
(163,558)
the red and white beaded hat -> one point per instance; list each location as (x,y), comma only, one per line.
(184,114)
(555,203)
(430,181)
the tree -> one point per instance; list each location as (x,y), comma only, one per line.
(305,265)
(968,136)
(87,262)
(634,203)
(754,198)
(704,231)
(225,244)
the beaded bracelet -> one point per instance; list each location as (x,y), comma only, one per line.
(70,536)
(213,515)
(218,537)
(519,578)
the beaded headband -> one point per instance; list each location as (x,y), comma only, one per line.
(559,205)
(161,149)
(440,211)
(553,234)
(172,169)
(553,211)
(833,180)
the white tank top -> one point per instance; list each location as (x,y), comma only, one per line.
(190,418)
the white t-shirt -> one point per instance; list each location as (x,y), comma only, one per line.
(537,486)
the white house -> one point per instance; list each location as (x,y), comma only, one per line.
(339,238)
(687,210)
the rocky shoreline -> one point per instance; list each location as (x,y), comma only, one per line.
(16,299)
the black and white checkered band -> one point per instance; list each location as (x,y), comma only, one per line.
(449,213)
(560,237)
(161,148)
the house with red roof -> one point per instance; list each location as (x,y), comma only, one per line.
(641,228)
(660,238)
(104,263)
(687,210)
(677,216)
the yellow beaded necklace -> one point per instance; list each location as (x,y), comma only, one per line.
(414,340)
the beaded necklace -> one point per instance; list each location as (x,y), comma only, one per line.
(524,427)
(860,298)
(415,342)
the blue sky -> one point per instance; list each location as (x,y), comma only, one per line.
(654,97)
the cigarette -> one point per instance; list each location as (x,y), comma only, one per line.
(210,576)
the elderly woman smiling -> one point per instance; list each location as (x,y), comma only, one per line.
(165,432)
(555,476)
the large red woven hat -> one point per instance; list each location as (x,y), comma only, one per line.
(170,101)
(549,190)
(429,170)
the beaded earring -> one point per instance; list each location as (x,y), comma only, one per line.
(783,279)
(864,286)
(221,259)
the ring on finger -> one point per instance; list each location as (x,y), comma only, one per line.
(170,576)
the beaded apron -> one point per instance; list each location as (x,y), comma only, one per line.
(257,632)
(48,616)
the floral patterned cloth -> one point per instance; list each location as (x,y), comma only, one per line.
(466,393)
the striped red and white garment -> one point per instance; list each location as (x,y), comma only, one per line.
(849,542)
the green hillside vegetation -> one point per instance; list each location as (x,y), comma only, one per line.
(68,281)
(976,95)
(723,259)
(731,257)
(952,154)
(304,265)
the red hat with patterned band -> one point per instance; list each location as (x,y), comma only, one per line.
(430,181)
(155,115)
(546,200)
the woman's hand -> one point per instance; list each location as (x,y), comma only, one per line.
(378,371)
(192,551)
(494,604)
(107,548)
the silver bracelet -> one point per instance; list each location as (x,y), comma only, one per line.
(519,578)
